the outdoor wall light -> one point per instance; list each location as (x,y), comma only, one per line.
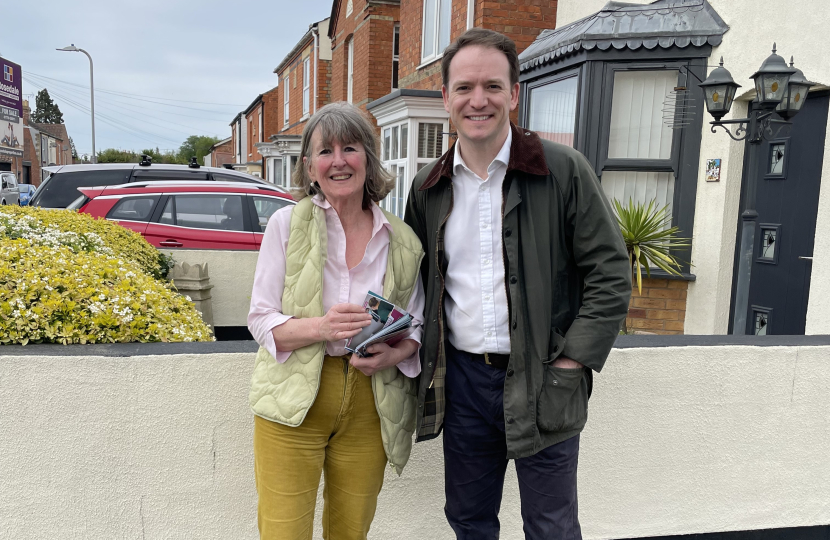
(796,93)
(779,88)
(719,89)
(771,80)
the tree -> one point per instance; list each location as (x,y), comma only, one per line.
(114,155)
(196,146)
(74,151)
(46,110)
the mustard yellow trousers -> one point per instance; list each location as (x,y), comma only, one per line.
(339,437)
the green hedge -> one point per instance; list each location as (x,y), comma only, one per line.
(68,278)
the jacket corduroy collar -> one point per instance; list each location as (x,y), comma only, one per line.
(526,155)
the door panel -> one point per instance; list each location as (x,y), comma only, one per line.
(789,178)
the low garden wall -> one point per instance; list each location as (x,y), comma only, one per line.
(687,434)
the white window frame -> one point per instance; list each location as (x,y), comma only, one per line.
(350,71)
(260,125)
(349,7)
(395,159)
(285,96)
(306,86)
(411,162)
(435,44)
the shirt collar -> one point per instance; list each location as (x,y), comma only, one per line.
(526,155)
(378,218)
(503,157)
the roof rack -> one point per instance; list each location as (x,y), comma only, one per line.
(200,183)
(146,160)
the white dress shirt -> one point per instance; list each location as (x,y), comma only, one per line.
(340,285)
(476,302)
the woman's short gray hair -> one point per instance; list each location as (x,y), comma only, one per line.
(344,123)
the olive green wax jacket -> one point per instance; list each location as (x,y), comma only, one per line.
(567,280)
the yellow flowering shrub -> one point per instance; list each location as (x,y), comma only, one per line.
(72,286)
(83,232)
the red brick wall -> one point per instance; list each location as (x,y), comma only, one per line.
(660,309)
(252,121)
(295,89)
(521,20)
(222,154)
(372,28)
(272,113)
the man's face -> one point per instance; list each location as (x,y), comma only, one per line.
(480,97)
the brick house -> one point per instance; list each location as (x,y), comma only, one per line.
(43,145)
(364,48)
(220,153)
(304,85)
(412,118)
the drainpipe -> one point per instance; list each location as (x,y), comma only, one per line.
(471,13)
(316,54)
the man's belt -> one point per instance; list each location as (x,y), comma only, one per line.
(498,361)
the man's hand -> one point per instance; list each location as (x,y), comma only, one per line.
(383,356)
(566,363)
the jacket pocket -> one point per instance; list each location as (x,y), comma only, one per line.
(563,402)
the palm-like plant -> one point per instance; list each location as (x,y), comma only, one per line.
(648,238)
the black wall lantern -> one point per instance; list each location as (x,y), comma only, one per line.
(795,95)
(779,89)
(719,89)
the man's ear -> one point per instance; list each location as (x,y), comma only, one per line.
(445,95)
(514,97)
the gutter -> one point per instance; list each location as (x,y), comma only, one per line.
(471,13)
(314,32)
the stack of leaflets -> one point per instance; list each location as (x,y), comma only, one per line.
(389,324)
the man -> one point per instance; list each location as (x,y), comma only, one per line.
(527,282)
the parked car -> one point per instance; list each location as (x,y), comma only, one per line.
(8,189)
(26,192)
(188,215)
(60,188)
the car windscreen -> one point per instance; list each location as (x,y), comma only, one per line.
(60,189)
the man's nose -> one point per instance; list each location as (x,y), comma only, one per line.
(478,98)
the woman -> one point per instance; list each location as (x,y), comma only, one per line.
(318,410)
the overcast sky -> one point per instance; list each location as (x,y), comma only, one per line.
(213,57)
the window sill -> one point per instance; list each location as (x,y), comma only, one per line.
(304,118)
(425,63)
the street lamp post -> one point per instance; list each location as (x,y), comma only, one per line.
(779,88)
(73,48)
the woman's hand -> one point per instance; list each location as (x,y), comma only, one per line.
(342,322)
(384,356)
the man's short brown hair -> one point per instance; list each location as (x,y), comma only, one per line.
(482,38)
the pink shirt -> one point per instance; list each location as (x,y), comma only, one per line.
(340,285)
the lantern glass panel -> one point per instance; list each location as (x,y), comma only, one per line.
(774,86)
(798,93)
(717,98)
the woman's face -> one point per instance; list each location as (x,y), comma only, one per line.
(339,169)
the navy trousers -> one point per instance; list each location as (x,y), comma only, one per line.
(475,460)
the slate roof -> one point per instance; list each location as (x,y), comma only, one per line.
(623,25)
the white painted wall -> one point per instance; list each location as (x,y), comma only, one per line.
(754,25)
(680,440)
(232,276)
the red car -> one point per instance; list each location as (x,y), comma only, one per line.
(188,215)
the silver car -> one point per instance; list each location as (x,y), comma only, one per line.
(9,193)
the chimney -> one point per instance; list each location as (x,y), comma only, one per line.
(26,112)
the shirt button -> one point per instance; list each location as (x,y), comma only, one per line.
(489,333)
(487,298)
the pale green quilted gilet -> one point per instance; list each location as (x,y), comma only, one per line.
(284,393)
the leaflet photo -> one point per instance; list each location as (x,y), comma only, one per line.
(389,323)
